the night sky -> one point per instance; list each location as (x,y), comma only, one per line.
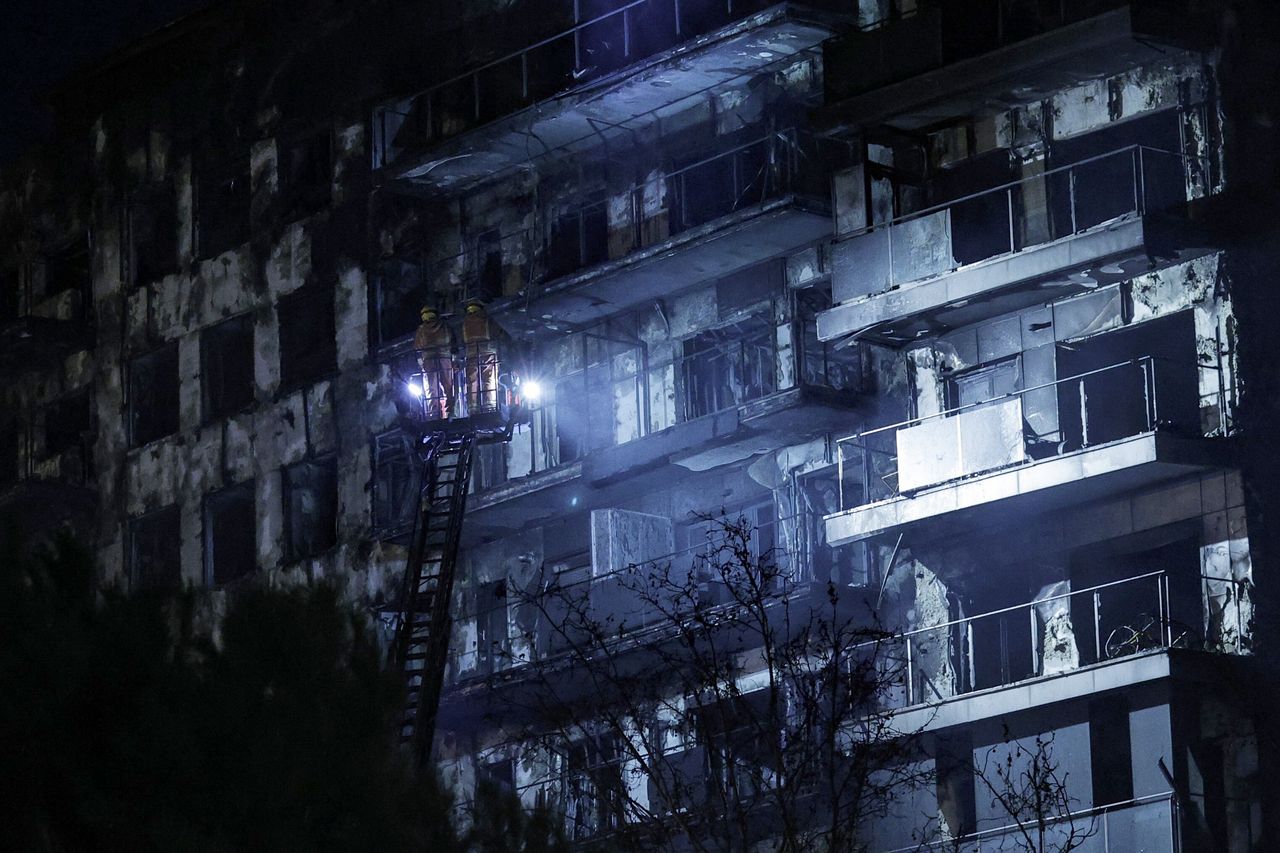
(44,41)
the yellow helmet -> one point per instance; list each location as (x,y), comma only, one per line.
(474,307)
(428,313)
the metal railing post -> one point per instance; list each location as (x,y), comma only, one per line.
(1013,246)
(1071,195)
(1162,604)
(1035,658)
(1097,624)
(1147,395)
(1133,163)
(1142,180)
(524,75)
(911,680)
(626,32)
(475,96)
(1084,415)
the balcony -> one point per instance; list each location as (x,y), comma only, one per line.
(1102,220)
(1118,428)
(598,80)
(703,221)
(38,337)
(592,442)
(955,57)
(1058,635)
(38,495)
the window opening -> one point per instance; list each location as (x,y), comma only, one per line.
(230,527)
(226,364)
(68,424)
(222,209)
(153,232)
(728,366)
(307,174)
(308,340)
(311,507)
(153,395)
(155,551)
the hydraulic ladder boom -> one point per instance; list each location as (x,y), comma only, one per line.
(422,640)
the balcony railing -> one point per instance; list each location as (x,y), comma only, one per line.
(585,50)
(1059,203)
(1151,824)
(591,233)
(1052,635)
(1092,408)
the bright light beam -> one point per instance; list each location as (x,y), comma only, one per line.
(414,389)
(530,390)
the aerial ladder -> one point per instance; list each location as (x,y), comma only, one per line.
(454,403)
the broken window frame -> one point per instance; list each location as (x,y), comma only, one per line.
(593,790)
(395,481)
(140,405)
(167,524)
(819,361)
(747,349)
(12,292)
(223,200)
(242,497)
(217,402)
(306,360)
(324,535)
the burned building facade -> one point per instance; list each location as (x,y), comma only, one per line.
(953,301)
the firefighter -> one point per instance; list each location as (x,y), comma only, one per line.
(433,343)
(481,358)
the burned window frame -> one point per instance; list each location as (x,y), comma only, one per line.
(393,453)
(305,172)
(734,332)
(166,520)
(171,425)
(215,375)
(210,529)
(15,443)
(307,360)
(153,225)
(324,536)
(222,219)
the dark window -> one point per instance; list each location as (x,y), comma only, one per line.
(311,507)
(10,293)
(578,238)
(955,782)
(308,350)
(824,363)
(1112,751)
(728,366)
(153,231)
(67,423)
(226,363)
(499,775)
(306,174)
(398,296)
(222,209)
(394,476)
(153,395)
(68,268)
(492,639)
(154,551)
(10,451)
(230,524)
(488,266)
(594,792)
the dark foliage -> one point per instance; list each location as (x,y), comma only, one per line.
(127,729)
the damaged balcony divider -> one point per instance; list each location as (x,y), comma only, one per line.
(595,42)
(580,235)
(1131,182)
(1119,401)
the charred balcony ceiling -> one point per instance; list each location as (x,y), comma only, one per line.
(417,154)
(928,84)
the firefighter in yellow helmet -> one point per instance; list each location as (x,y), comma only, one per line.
(482,359)
(433,343)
